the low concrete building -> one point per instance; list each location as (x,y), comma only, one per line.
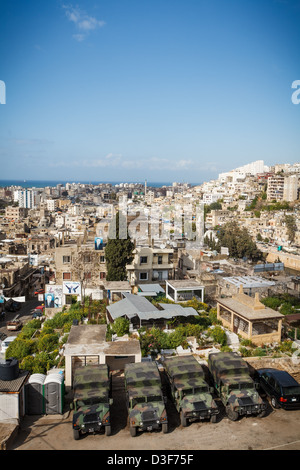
(228,286)
(183,290)
(87,345)
(114,290)
(12,398)
(249,318)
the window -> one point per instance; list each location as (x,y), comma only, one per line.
(87,275)
(66,276)
(66,259)
(102,275)
(102,259)
(143,276)
(159,259)
(272,382)
(87,258)
(143,259)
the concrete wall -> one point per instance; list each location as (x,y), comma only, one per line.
(290,261)
(289,364)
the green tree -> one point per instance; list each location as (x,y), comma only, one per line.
(118,250)
(291,227)
(121,326)
(238,241)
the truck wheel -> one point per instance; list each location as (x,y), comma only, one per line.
(261,414)
(76,434)
(107,430)
(232,415)
(132,431)
(164,428)
(274,403)
(183,419)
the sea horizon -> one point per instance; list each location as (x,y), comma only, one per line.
(52,183)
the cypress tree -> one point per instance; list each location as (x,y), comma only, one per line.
(118,251)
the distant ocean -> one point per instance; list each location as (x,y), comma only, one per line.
(43,184)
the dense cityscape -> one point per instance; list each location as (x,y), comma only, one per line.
(149,228)
(149,273)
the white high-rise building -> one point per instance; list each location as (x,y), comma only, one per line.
(240,173)
(27,198)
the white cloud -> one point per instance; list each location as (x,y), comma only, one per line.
(83,22)
(184,164)
(114,160)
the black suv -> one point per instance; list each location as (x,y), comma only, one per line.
(280,386)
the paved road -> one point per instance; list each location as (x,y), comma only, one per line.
(278,430)
(24,315)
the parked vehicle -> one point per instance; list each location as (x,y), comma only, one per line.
(189,390)
(15,324)
(92,400)
(282,389)
(145,400)
(39,291)
(37,313)
(12,305)
(234,385)
(6,342)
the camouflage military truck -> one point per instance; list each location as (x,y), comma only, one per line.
(234,385)
(92,400)
(190,392)
(145,400)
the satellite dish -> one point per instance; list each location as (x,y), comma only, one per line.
(162,246)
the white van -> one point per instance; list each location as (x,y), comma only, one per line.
(6,342)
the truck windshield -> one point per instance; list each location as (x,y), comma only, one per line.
(154,398)
(241,386)
(194,391)
(92,400)
(145,399)
(246,385)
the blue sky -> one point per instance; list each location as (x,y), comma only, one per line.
(163,90)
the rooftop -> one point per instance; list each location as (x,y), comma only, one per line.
(249,307)
(184,284)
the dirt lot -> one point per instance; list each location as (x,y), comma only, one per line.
(279,429)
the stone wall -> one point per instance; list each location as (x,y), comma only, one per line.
(289,364)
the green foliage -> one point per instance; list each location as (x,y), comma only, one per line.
(238,241)
(118,252)
(284,303)
(245,352)
(39,364)
(121,326)
(291,225)
(20,348)
(218,335)
(272,302)
(48,342)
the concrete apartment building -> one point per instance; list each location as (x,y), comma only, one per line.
(15,213)
(151,264)
(76,262)
(283,188)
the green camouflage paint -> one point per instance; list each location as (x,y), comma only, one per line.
(189,389)
(92,390)
(234,385)
(145,401)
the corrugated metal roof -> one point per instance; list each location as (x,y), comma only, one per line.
(133,305)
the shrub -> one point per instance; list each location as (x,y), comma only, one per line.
(121,326)
(20,348)
(48,342)
(218,335)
